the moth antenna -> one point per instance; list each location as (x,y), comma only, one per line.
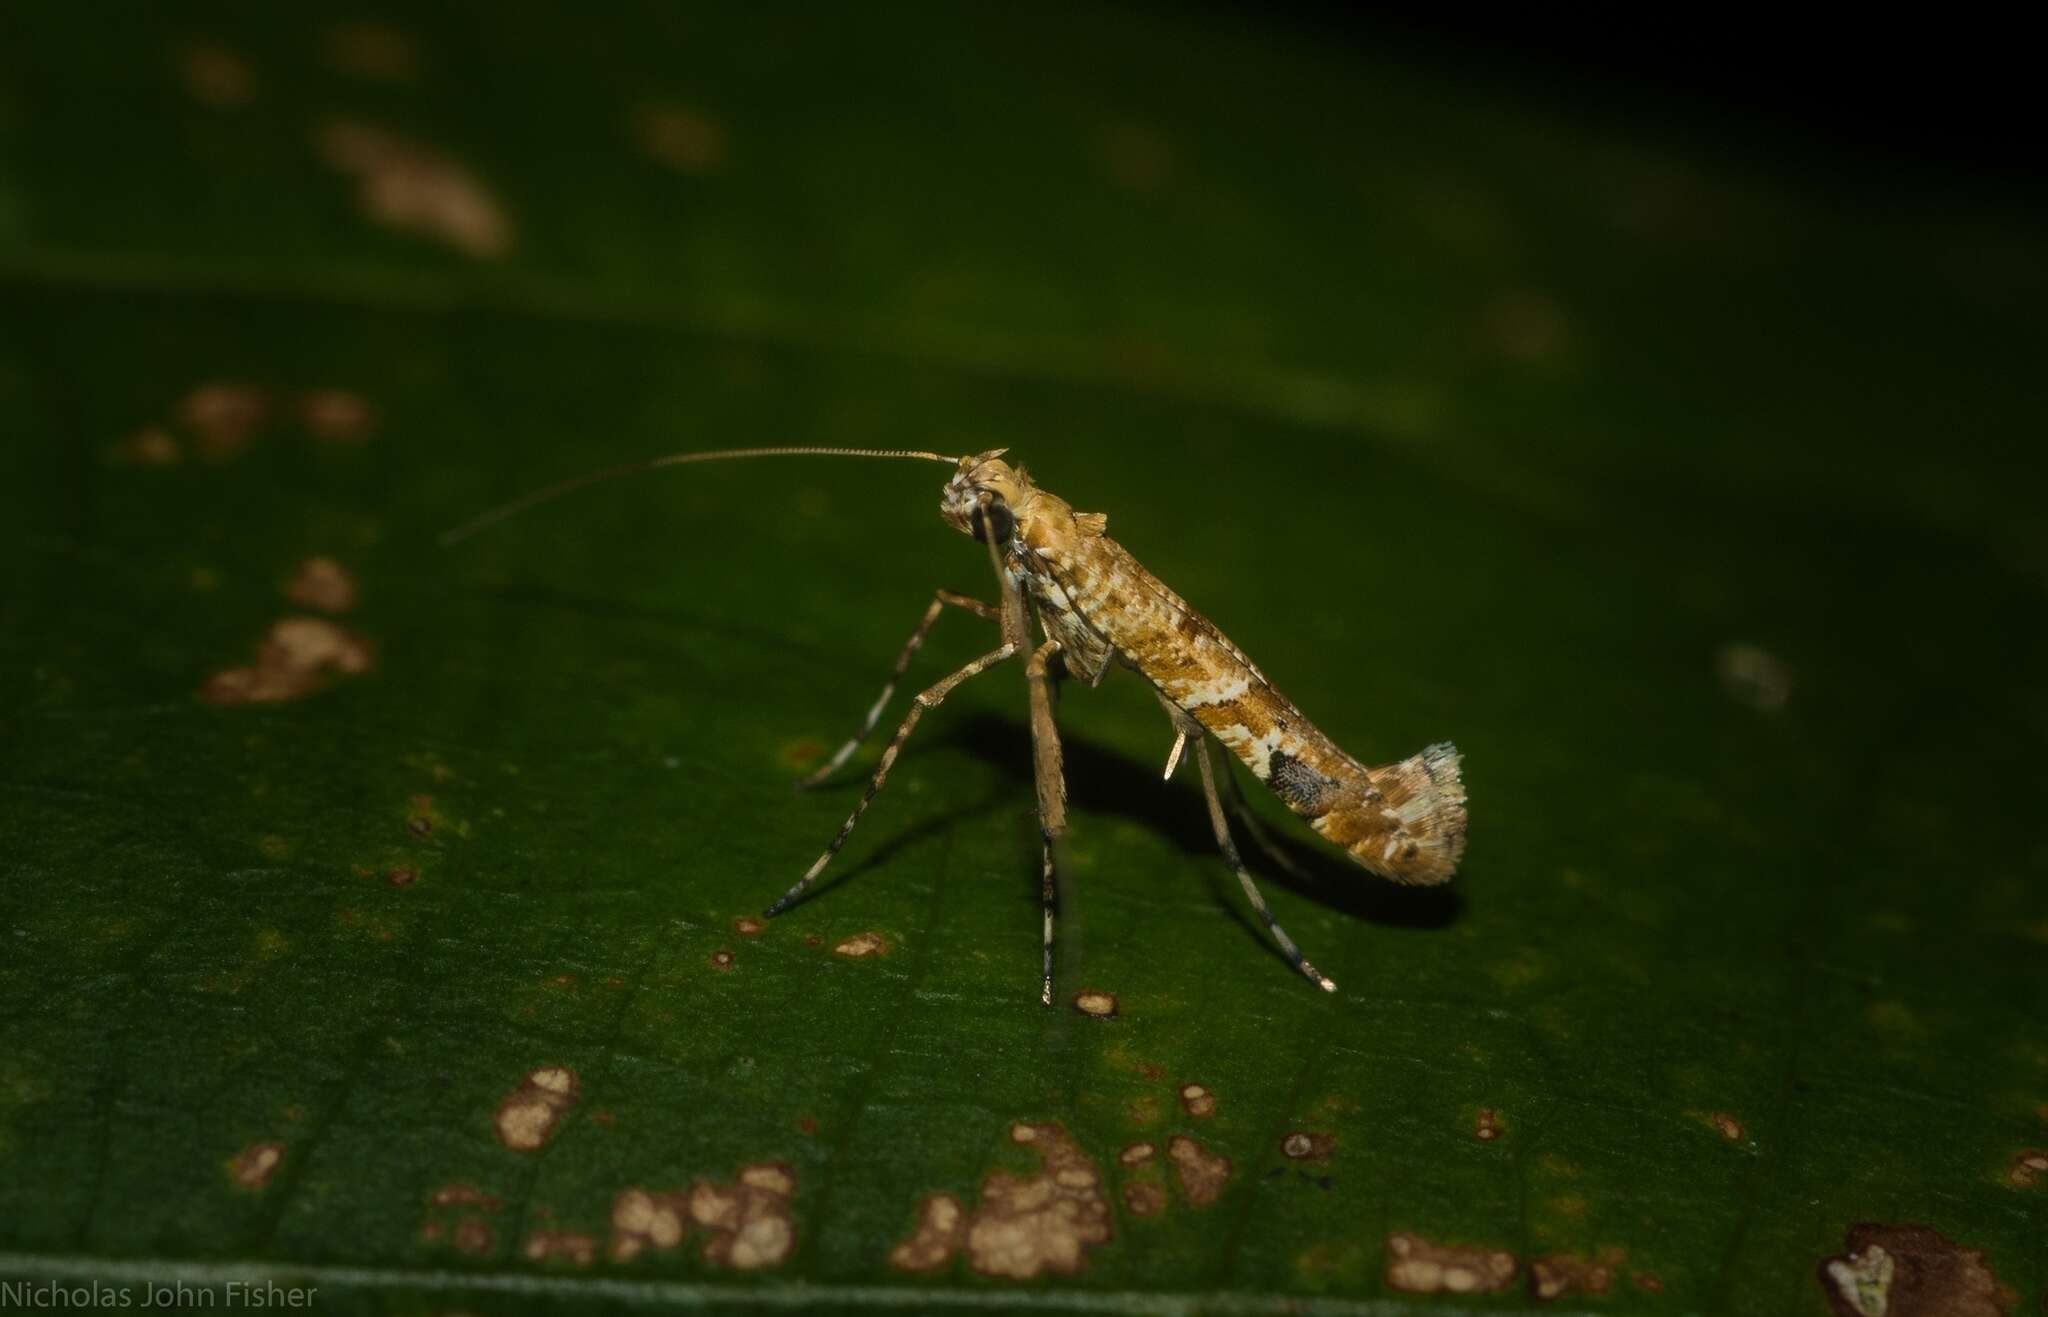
(549,493)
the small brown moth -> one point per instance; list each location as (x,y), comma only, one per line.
(1094,605)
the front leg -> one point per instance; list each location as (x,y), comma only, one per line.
(943,600)
(931,698)
(1049,771)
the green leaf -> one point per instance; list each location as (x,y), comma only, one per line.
(1680,493)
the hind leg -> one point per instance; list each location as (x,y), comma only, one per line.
(1244,876)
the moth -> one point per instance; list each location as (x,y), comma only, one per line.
(1095,607)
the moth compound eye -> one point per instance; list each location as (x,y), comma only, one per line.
(998,517)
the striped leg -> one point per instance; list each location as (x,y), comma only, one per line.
(1244,877)
(910,648)
(1049,770)
(930,698)
(1243,809)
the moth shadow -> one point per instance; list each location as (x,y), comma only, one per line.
(1105,781)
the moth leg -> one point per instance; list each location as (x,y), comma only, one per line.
(929,698)
(1049,771)
(1244,877)
(910,648)
(1180,743)
(1243,809)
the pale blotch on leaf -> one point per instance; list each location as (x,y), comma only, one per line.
(322,584)
(748,926)
(1909,1271)
(862,945)
(1137,1154)
(721,960)
(1097,1005)
(1420,1266)
(1044,1223)
(570,1246)
(1487,1126)
(1023,1227)
(1197,1101)
(251,1168)
(2027,1169)
(1307,1146)
(413,188)
(528,1116)
(299,656)
(1557,1276)
(642,1219)
(748,1219)
(941,1230)
(1202,1174)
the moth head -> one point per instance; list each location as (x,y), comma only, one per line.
(982,497)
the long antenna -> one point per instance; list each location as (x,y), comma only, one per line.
(488,519)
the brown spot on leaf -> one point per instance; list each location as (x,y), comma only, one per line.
(463,1195)
(1909,1271)
(941,1230)
(474,1236)
(561,1246)
(413,188)
(807,1125)
(252,1166)
(150,446)
(1144,1199)
(297,657)
(2027,1169)
(374,52)
(216,76)
(322,584)
(1754,676)
(1046,1223)
(1197,1101)
(1137,1154)
(642,1220)
(1487,1127)
(680,137)
(1305,1146)
(1727,1126)
(748,926)
(1147,1070)
(337,416)
(403,875)
(1418,1266)
(748,1219)
(223,417)
(1649,1282)
(528,1116)
(1100,1005)
(1560,1275)
(861,945)
(1202,1173)
(721,960)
